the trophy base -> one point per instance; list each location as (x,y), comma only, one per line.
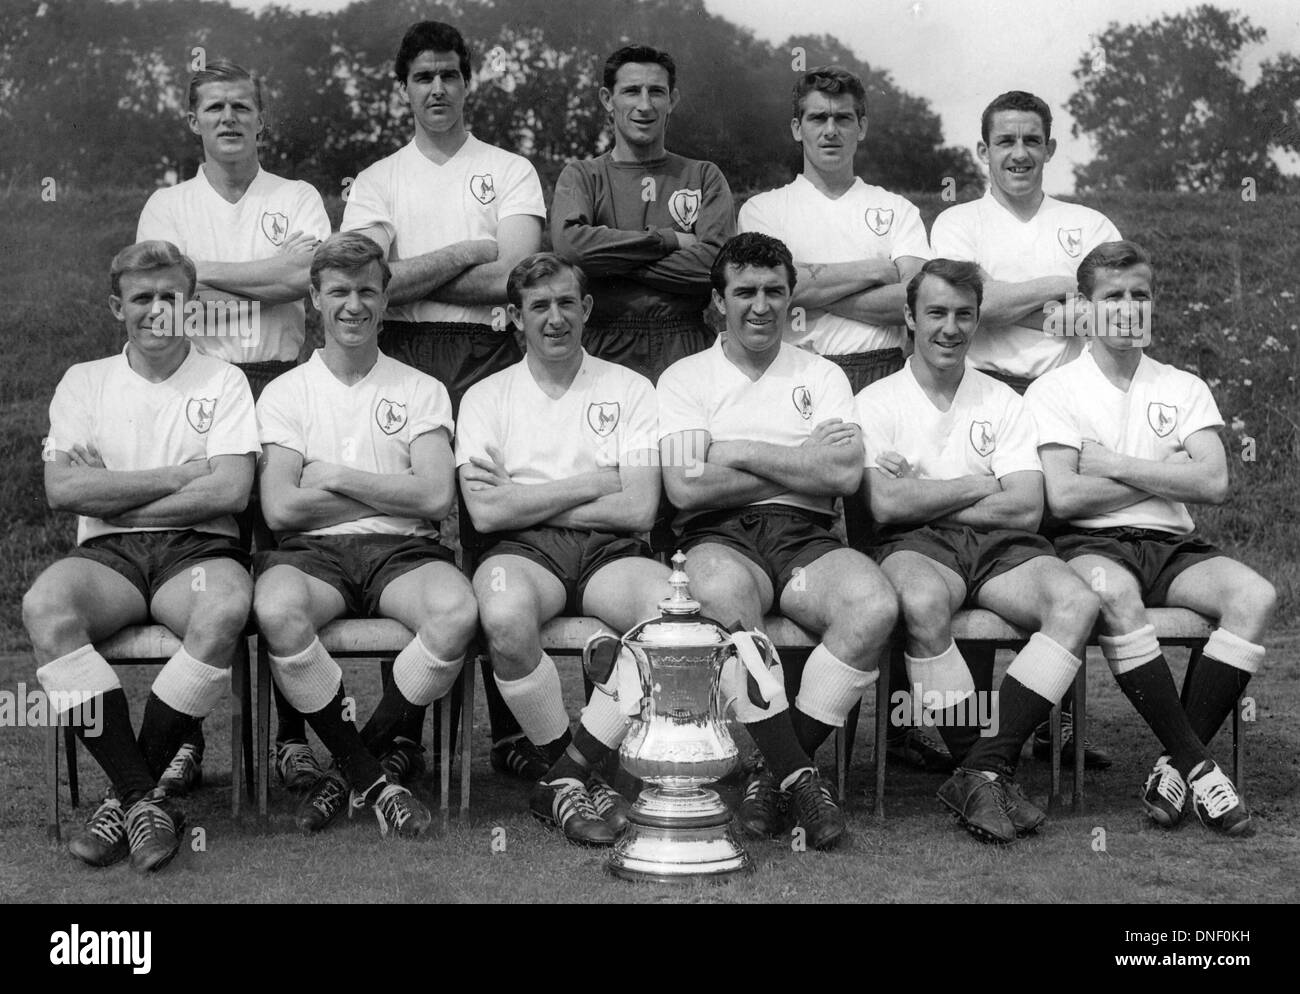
(678,836)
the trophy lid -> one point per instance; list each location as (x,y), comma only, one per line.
(679,602)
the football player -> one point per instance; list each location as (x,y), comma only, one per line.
(455,215)
(855,246)
(757,439)
(1028,246)
(1126,443)
(251,235)
(153,449)
(644,223)
(559,465)
(357,467)
(957,490)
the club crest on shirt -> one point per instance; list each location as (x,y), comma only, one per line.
(275,226)
(482,187)
(603,417)
(199,412)
(879,220)
(390,416)
(982,438)
(1163,418)
(684,208)
(802,398)
(1071,240)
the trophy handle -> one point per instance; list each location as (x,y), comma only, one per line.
(599,660)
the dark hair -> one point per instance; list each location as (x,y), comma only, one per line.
(348,252)
(751,249)
(537,267)
(143,257)
(1111,255)
(223,71)
(641,54)
(963,275)
(1017,100)
(430,36)
(831,80)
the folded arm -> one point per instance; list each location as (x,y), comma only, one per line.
(496,503)
(897,497)
(631,509)
(518,236)
(1014,303)
(827,464)
(288,506)
(880,305)
(1071,495)
(1017,503)
(76,481)
(427,491)
(277,279)
(701,484)
(1197,474)
(417,277)
(223,491)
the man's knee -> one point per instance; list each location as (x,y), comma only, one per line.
(1071,607)
(50,621)
(282,618)
(451,614)
(510,624)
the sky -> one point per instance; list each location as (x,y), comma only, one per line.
(959,54)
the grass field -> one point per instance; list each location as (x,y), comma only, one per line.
(1226,309)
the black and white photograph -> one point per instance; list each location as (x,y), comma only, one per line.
(652,451)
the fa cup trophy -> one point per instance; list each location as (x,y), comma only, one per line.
(679,743)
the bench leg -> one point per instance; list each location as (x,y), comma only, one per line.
(238,685)
(1054,723)
(841,750)
(70,747)
(444,756)
(1080,730)
(263,743)
(882,736)
(52,783)
(1238,752)
(466,726)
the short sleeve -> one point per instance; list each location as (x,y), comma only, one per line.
(156,223)
(909,238)
(681,406)
(1047,402)
(837,394)
(951,238)
(279,413)
(430,406)
(478,428)
(754,216)
(234,424)
(873,415)
(310,217)
(1017,448)
(1202,411)
(368,205)
(70,423)
(523,191)
(642,429)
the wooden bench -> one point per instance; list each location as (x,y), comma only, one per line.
(380,639)
(154,645)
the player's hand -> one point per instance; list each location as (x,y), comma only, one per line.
(1182,455)
(86,456)
(300,243)
(489,471)
(686,239)
(1095,459)
(895,465)
(481,251)
(318,475)
(833,431)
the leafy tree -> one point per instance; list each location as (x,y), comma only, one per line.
(1167,107)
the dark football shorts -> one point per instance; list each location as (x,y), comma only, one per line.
(865,368)
(358,566)
(975,556)
(150,559)
(778,538)
(456,355)
(1155,558)
(647,345)
(571,555)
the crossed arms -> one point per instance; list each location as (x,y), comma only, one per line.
(738,472)
(299,497)
(897,496)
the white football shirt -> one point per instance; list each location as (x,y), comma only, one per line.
(1151,420)
(867,222)
(425,206)
(206,226)
(608,413)
(797,392)
(986,431)
(368,426)
(1052,243)
(204,409)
